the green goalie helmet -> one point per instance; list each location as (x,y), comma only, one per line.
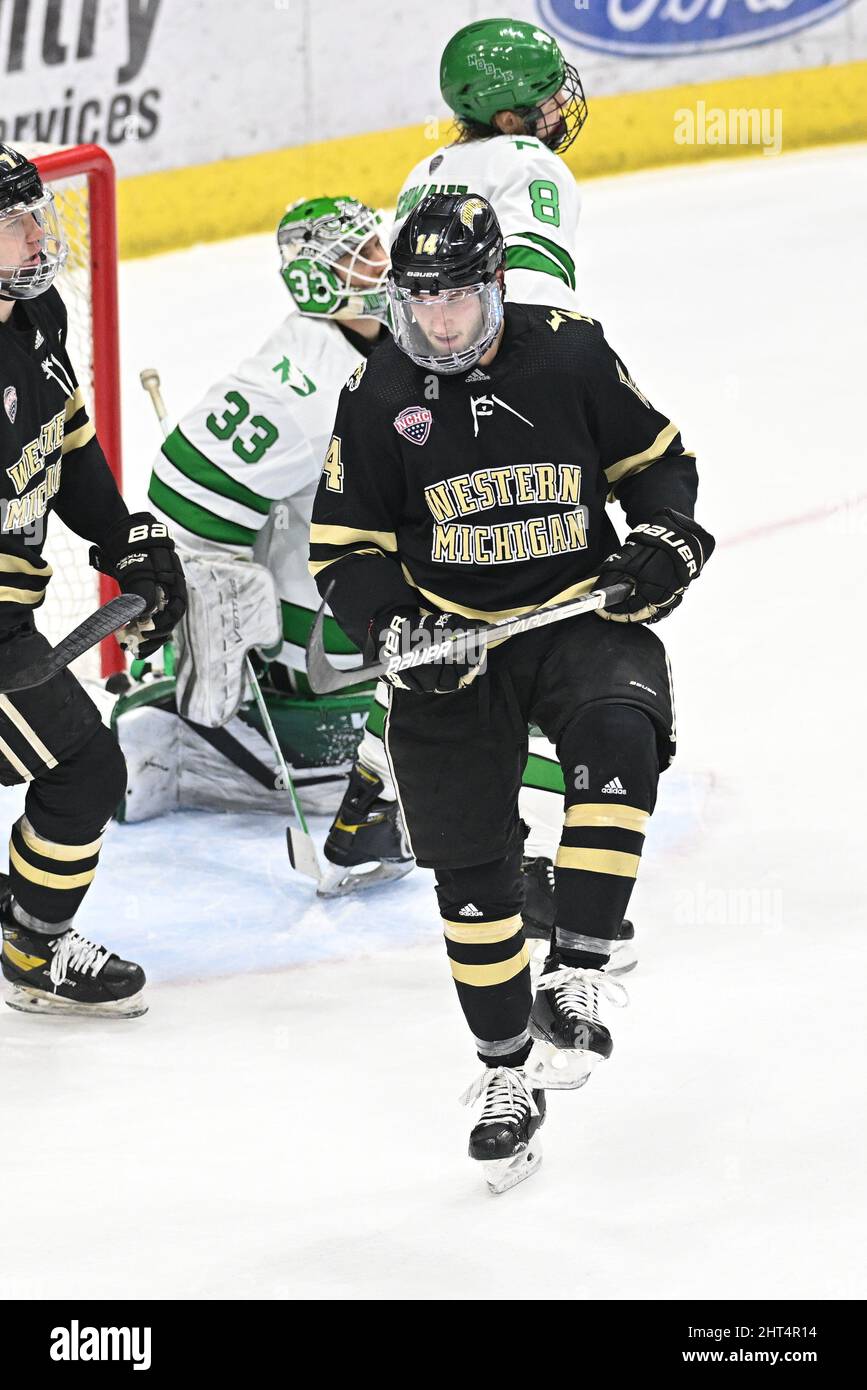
(332,259)
(507,65)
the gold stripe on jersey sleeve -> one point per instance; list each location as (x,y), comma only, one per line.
(598,861)
(17,718)
(16,564)
(21,595)
(624,468)
(447,605)
(316,566)
(74,404)
(607,813)
(348,535)
(43,878)
(485,934)
(78,438)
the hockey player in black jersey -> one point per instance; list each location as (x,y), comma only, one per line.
(467,481)
(51,736)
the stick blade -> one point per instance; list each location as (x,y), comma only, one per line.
(323,678)
(302,853)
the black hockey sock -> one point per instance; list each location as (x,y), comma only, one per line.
(54,849)
(611,770)
(481,914)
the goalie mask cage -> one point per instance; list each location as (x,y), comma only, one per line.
(82,179)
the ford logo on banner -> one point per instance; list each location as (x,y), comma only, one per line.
(660,28)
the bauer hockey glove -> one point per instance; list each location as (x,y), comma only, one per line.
(140,555)
(660,557)
(407,631)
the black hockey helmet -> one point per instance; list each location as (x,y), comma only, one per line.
(446,255)
(28,264)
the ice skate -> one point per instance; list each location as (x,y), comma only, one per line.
(67,974)
(538,918)
(505,1139)
(367,830)
(570,1037)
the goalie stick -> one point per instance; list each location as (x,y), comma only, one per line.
(299,842)
(108,619)
(325,679)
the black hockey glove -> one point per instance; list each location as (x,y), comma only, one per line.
(140,555)
(660,557)
(397,634)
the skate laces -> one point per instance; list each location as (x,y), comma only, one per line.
(507,1094)
(74,952)
(579,990)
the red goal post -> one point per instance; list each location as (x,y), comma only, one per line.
(82,178)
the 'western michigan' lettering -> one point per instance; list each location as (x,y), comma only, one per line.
(534,538)
(34,454)
(520,484)
(23,511)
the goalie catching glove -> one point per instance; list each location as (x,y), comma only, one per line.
(660,557)
(140,555)
(408,631)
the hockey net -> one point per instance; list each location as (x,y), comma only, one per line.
(83,182)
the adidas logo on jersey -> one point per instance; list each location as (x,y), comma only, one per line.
(470,911)
(477,375)
(614,788)
(38,340)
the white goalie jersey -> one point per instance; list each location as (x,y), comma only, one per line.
(239,472)
(536,200)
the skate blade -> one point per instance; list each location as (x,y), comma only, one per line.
(559,1068)
(501,1174)
(34,1001)
(623,958)
(337,880)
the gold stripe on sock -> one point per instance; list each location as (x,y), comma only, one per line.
(607,813)
(598,861)
(43,879)
(50,850)
(496,974)
(485,934)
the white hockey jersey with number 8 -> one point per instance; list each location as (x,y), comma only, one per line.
(536,200)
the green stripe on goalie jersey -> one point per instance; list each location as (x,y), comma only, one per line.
(525,258)
(543,774)
(297,622)
(199,469)
(195,519)
(552,248)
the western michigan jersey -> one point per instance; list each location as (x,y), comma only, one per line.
(536,200)
(489,500)
(50,459)
(258,437)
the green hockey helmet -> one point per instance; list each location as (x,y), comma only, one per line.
(508,65)
(325,259)
(32,245)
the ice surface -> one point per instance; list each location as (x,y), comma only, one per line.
(283,1123)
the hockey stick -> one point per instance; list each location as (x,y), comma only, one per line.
(302,851)
(108,619)
(325,679)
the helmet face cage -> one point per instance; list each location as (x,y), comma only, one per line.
(18,281)
(411,323)
(312,246)
(573,113)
